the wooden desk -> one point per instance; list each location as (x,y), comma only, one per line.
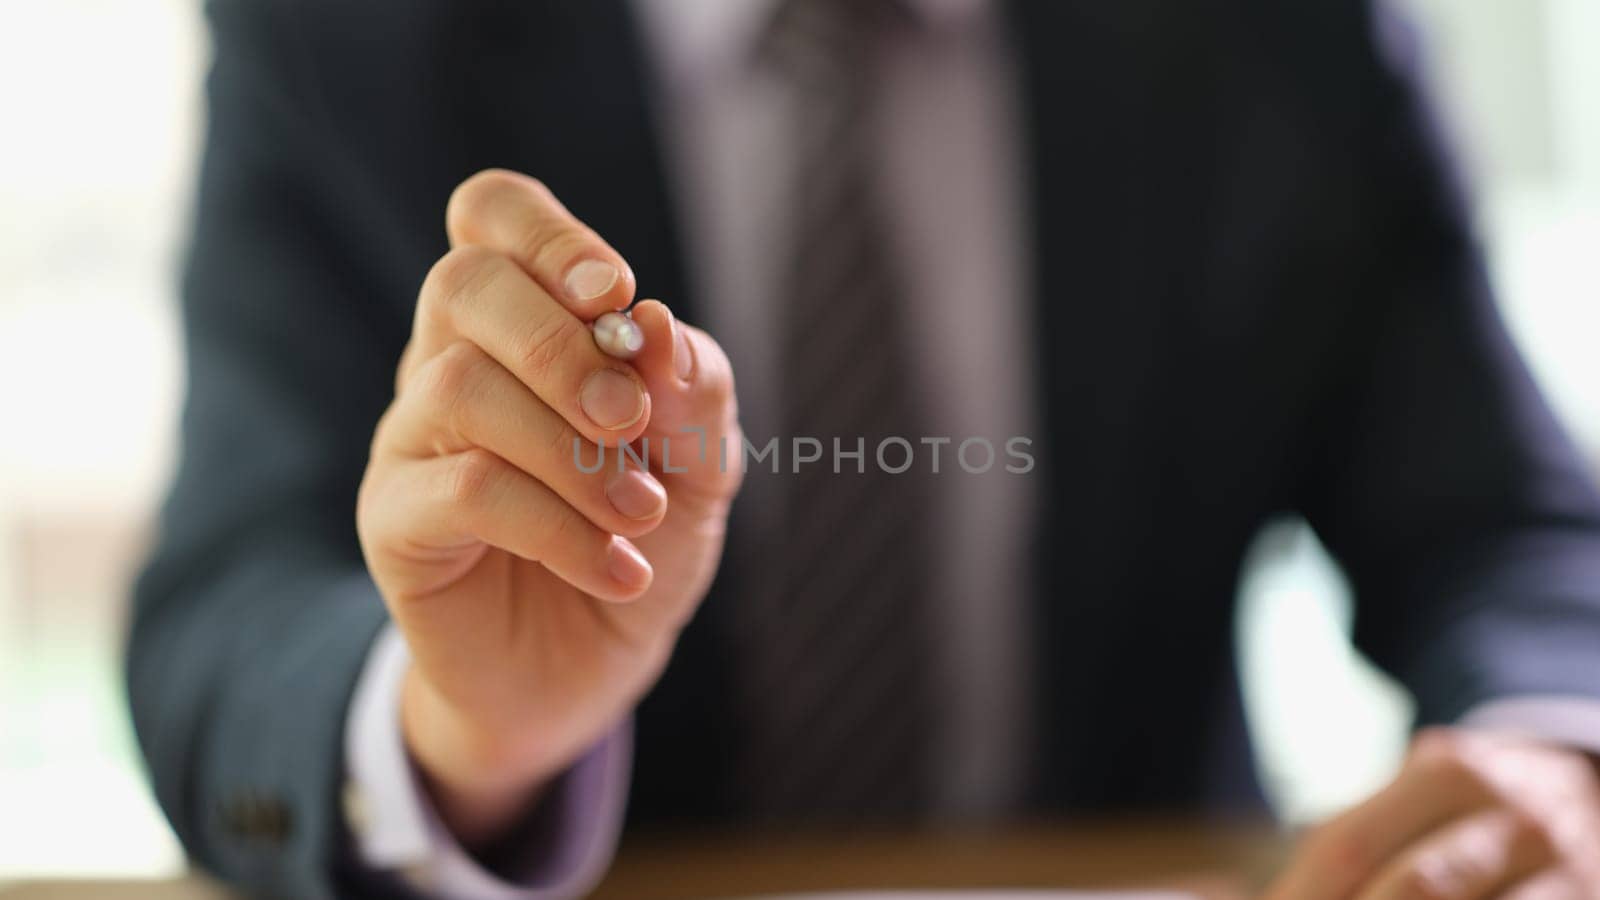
(683,866)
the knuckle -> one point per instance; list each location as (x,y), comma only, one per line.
(1448,745)
(1429,878)
(534,185)
(365,502)
(406,364)
(473,197)
(1434,740)
(539,352)
(548,237)
(459,275)
(370,521)
(473,476)
(450,380)
(566,447)
(549,247)
(382,434)
(1455,772)
(1533,835)
(1444,757)
(1331,849)
(1576,772)
(569,530)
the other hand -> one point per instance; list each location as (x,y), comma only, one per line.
(1471,815)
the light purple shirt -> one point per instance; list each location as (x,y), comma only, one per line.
(397,830)
(949,140)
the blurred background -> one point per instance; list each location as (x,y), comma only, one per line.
(99,124)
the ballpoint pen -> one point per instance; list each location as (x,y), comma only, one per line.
(618,336)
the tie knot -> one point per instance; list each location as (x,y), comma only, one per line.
(825,39)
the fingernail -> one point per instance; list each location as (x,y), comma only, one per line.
(626,564)
(590,279)
(636,494)
(611,399)
(682,356)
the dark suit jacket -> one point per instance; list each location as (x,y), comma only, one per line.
(1258,295)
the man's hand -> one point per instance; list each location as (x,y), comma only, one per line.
(1470,815)
(539,600)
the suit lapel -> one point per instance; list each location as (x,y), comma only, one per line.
(1086,112)
(1110,107)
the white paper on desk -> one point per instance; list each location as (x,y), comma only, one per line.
(991,895)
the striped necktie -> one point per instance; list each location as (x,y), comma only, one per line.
(836,678)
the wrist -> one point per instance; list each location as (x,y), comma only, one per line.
(481,781)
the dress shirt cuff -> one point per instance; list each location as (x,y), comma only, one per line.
(397,830)
(1572,721)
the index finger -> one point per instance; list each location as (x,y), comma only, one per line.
(518,216)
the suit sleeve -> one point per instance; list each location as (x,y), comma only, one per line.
(254,614)
(1465,517)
